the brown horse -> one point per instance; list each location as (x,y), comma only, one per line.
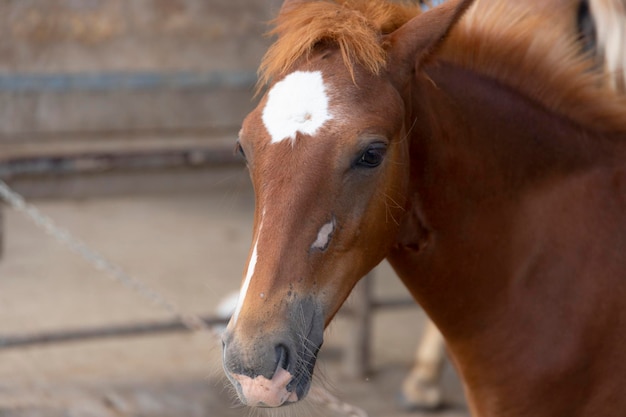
(482,157)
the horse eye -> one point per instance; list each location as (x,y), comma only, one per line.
(239,150)
(372,156)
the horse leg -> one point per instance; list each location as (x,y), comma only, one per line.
(421,388)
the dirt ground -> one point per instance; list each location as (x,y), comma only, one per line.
(191,247)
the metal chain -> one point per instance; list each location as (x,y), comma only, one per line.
(191,321)
(16,201)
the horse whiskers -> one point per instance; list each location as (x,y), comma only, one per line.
(227,390)
(254,412)
(407,135)
(396,204)
(388,208)
(231,392)
(302,409)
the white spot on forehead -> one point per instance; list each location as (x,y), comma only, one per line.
(296,104)
(324,235)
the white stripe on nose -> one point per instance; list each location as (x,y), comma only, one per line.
(246,282)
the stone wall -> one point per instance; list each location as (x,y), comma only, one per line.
(130,35)
(108,39)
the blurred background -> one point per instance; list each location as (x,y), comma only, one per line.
(118,120)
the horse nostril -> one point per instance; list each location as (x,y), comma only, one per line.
(282,357)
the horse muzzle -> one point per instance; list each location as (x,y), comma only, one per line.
(272,368)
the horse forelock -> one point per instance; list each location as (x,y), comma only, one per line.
(354,26)
(538,56)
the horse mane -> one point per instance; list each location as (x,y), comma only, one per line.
(533,53)
(356,26)
(539,56)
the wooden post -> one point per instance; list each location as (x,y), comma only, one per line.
(358,352)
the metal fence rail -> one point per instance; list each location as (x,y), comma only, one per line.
(14,341)
(100,332)
(116,81)
(86,163)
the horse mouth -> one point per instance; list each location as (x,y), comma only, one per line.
(301,382)
(266,393)
(276,369)
(283,388)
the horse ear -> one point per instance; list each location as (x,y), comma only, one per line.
(420,36)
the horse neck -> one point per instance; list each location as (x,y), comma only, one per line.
(478,149)
(475,147)
(487,164)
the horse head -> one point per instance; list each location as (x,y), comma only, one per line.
(328,157)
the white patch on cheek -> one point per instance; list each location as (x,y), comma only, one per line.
(324,235)
(296,104)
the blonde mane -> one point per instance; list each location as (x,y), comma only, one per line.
(539,56)
(503,39)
